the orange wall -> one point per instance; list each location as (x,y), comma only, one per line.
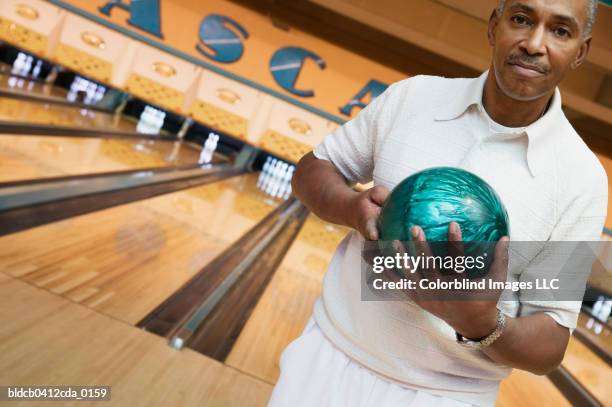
(346,73)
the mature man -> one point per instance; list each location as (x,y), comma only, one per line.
(506,126)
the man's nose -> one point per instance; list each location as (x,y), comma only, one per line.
(535,42)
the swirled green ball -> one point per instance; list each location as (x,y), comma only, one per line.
(435,197)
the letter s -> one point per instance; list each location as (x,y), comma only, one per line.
(227,47)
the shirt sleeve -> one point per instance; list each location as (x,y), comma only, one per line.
(350,148)
(568,254)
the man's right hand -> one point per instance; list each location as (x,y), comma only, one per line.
(321,187)
(363,211)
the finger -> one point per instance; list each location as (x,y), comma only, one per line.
(371,230)
(455,240)
(420,242)
(379,194)
(404,269)
(499,267)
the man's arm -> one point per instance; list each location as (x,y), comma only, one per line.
(537,340)
(321,187)
(535,343)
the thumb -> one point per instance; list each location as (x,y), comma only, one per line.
(499,267)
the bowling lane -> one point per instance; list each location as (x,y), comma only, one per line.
(126,260)
(28,157)
(589,369)
(55,342)
(286,304)
(595,331)
(525,389)
(16,110)
(13,83)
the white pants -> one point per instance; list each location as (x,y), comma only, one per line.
(314,373)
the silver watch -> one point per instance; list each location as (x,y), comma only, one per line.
(487,340)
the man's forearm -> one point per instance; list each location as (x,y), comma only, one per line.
(323,190)
(535,343)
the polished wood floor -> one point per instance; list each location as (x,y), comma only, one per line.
(12,83)
(15,110)
(52,341)
(589,369)
(286,305)
(124,261)
(30,157)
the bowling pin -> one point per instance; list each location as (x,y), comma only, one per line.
(27,66)
(18,63)
(214,145)
(263,171)
(269,175)
(81,83)
(145,116)
(281,180)
(266,173)
(71,96)
(37,69)
(271,179)
(604,314)
(286,192)
(276,178)
(154,118)
(161,120)
(591,323)
(91,91)
(100,91)
(206,153)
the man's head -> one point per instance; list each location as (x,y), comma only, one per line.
(535,43)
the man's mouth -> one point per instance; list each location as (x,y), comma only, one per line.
(528,70)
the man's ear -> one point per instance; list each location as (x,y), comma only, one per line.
(493,20)
(582,53)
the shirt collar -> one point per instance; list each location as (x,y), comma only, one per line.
(539,133)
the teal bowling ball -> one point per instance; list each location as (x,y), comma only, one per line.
(435,197)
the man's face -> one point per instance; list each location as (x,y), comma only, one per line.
(535,42)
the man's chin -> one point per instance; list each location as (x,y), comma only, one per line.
(522,92)
(519,88)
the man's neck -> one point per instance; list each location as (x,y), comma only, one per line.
(511,112)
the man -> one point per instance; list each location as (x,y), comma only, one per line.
(506,126)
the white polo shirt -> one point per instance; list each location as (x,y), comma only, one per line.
(552,185)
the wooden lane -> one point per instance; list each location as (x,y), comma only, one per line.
(126,260)
(601,336)
(589,370)
(48,340)
(28,157)
(17,110)
(286,305)
(524,389)
(9,83)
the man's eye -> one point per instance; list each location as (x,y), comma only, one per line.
(520,19)
(562,32)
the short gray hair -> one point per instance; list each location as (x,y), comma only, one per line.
(591,14)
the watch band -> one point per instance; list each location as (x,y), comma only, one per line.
(487,340)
